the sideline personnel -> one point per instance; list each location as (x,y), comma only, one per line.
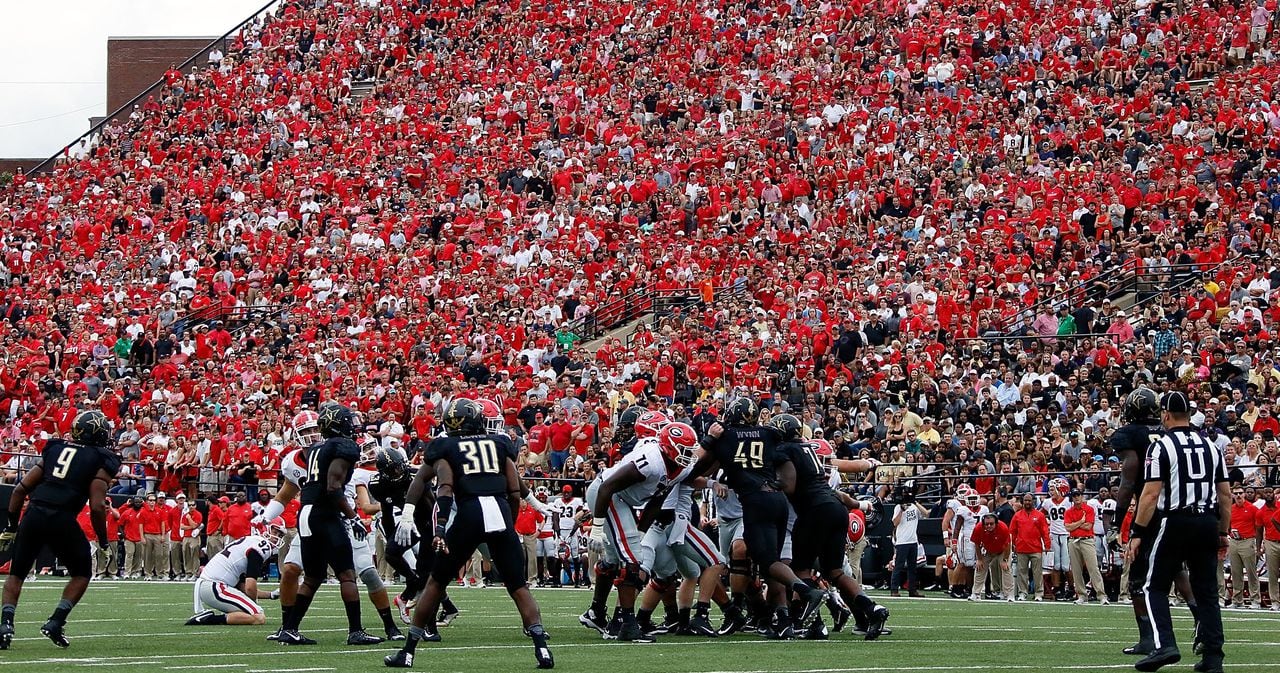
(1182,517)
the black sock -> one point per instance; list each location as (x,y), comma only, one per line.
(6,614)
(683,617)
(353,615)
(60,613)
(447,605)
(300,605)
(703,608)
(863,604)
(644,616)
(800,588)
(600,594)
(415,635)
(739,601)
(214,620)
(285,611)
(387,622)
(1145,635)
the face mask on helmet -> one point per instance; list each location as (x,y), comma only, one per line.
(678,443)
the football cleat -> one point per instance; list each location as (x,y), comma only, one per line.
(6,636)
(541,651)
(614,629)
(394,634)
(733,623)
(200,618)
(53,631)
(401,659)
(699,625)
(813,601)
(840,618)
(362,638)
(402,606)
(778,631)
(651,629)
(632,633)
(1139,649)
(593,620)
(446,616)
(292,637)
(875,624)
(816,631)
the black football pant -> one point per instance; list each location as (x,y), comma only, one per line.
(1191,539)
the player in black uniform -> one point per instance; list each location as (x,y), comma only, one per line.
(476,472)
(388,488)
(1130,442)
(323,522)
(68,474)
(748,455)
(822,522)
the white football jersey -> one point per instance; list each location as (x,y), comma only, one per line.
(1056,513)
(293,467)
(361,476)
(647,458)
(230,565)
(568,511)
(969,519)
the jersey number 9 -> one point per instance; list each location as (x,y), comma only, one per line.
(749,455)
(481,457)
(63,464)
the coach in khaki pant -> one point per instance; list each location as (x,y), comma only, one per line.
(992,542)
(1243,545)
(1269,522)
(1030,533)
(131,530)
(1083,549)
(154,522)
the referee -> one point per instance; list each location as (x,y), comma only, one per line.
(1183,515)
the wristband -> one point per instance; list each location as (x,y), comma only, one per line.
(444,507)
(1137,530)
(406,512)
(598,522)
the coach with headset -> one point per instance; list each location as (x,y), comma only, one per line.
(1182,517)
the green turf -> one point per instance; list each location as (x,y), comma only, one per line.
(136,626)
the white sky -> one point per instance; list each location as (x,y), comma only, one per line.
(56,53)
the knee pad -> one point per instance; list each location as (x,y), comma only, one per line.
(739,566)
(371,580)
(660,584)
(606,569)
(631,576)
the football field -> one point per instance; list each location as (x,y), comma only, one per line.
(137,626)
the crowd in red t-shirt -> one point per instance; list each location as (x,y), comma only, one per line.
(849,187)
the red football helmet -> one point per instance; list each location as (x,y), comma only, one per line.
(369,446)
(822,449)
(494,423)
(1059,487)
(651,423)
(306,425)
(678,442)
(273,531)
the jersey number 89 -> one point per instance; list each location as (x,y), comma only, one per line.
(481,457)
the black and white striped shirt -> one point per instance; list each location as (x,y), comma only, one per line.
(1188,467)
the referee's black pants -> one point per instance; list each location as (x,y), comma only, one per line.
(1191,539)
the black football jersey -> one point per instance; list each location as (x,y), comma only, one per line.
(391,496)
(749,457)
(812,487)
(1138,438)
(319,456)
(478,463)
(69,469)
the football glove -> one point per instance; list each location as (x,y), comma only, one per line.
(6,540)
(358,531)
(405,527)
(596,541)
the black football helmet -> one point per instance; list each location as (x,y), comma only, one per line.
(743,411)
(1142,406)
(464,417)
(876,513)
(392,464)
(337,420)
(627,422)
(788,427)
(91,428)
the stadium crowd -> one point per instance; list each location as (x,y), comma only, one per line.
(908,223)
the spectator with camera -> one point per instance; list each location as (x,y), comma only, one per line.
(906,539)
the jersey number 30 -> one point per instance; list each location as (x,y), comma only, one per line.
(481,457)
(63,464)
(749,455)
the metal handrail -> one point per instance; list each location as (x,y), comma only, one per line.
(148,91)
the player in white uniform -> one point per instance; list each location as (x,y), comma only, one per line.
(548,546)
(568,507)
(654,463)
(962,516)
(293,471)
(1055,510)
(227,590)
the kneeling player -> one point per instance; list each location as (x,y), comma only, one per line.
(227,589)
